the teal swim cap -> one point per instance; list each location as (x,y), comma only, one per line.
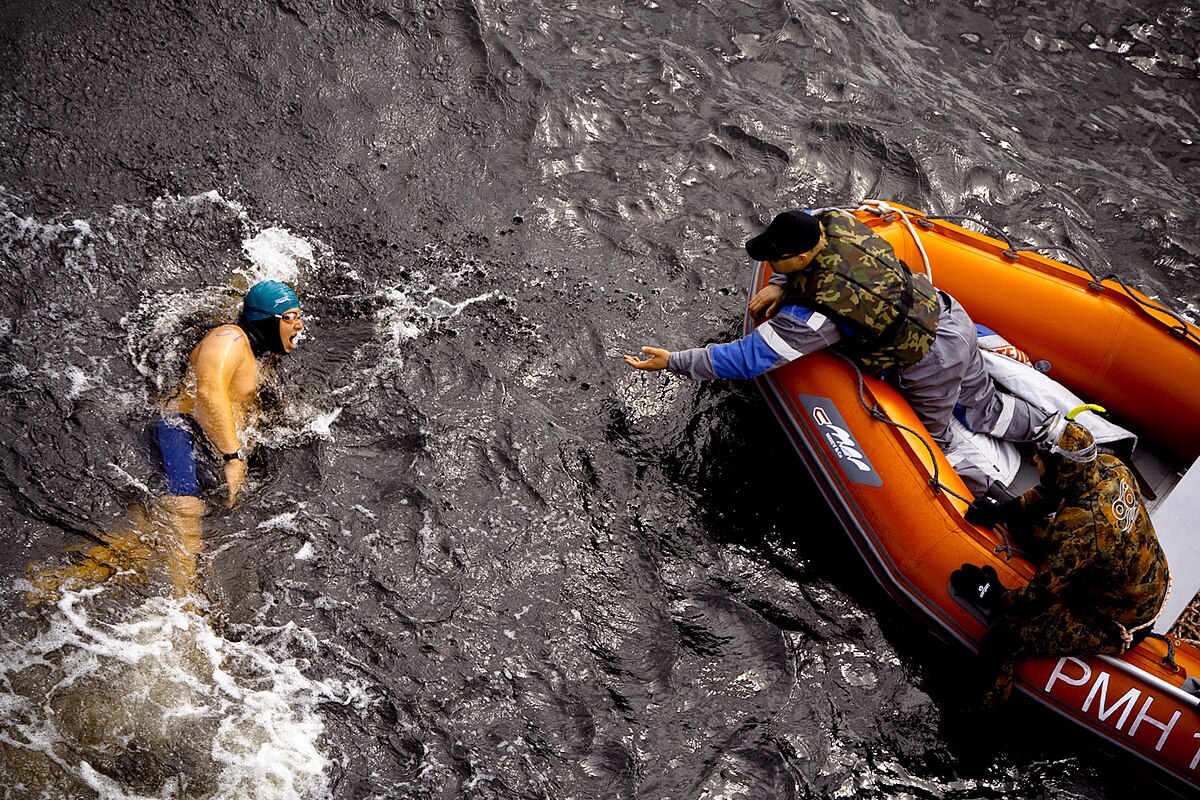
(267,299)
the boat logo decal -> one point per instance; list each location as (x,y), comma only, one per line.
(1125,507)
(836,433)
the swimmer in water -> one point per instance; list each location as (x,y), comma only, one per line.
(199,425)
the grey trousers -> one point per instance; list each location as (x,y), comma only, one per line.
(953,373)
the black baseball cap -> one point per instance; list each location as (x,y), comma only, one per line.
(789,234)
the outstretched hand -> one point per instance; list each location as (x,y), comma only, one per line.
(766,301)
(656,359)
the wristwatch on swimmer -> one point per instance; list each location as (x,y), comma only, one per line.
(237,454)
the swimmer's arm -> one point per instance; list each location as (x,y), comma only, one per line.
(219,357)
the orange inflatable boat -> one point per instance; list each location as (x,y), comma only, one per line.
(903,505)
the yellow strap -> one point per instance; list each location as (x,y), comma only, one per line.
(1074,412)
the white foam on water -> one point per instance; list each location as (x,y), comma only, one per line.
(80,381)
(285,521)
(277,254)
(322,423)
(301,422)
(214,196)
(158,705)
(73,240)
(405,317)
(154,340)
(398,317)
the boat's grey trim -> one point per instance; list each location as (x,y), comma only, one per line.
(1141,674)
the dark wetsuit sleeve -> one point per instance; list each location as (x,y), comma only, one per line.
(1032,505)
(1070,555)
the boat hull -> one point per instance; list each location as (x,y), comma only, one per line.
(894,492)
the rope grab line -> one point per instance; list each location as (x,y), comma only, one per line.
(882,208)
(1006,547)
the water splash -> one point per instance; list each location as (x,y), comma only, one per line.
(277,254)
(405,317)
(157,705)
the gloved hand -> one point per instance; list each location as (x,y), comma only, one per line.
(980,584)
(993,508)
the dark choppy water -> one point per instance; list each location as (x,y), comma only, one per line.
(479,557)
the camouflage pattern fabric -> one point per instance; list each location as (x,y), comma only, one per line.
(1100,567)
(858,280)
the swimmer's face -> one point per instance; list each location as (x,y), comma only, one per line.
(290,326)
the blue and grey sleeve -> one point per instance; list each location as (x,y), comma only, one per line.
(794,332)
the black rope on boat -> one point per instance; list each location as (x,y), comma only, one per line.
(1169,658)
(1006,547)
(1181,330)
(1083,264)
(877,413)
(999,233)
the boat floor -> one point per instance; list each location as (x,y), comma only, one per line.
(1157,477)
(1175,511)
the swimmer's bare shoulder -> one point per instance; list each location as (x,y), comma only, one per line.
(221,367)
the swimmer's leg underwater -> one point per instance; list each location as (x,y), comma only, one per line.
(167,534)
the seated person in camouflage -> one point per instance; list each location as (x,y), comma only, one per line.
(1102,577)
(838,284)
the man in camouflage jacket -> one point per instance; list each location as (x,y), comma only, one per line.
(838,284)
(1102,576)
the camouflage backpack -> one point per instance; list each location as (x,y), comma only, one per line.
(889,312)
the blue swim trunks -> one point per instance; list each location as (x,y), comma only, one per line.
(177,435)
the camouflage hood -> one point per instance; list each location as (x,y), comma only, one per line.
(1073,462)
